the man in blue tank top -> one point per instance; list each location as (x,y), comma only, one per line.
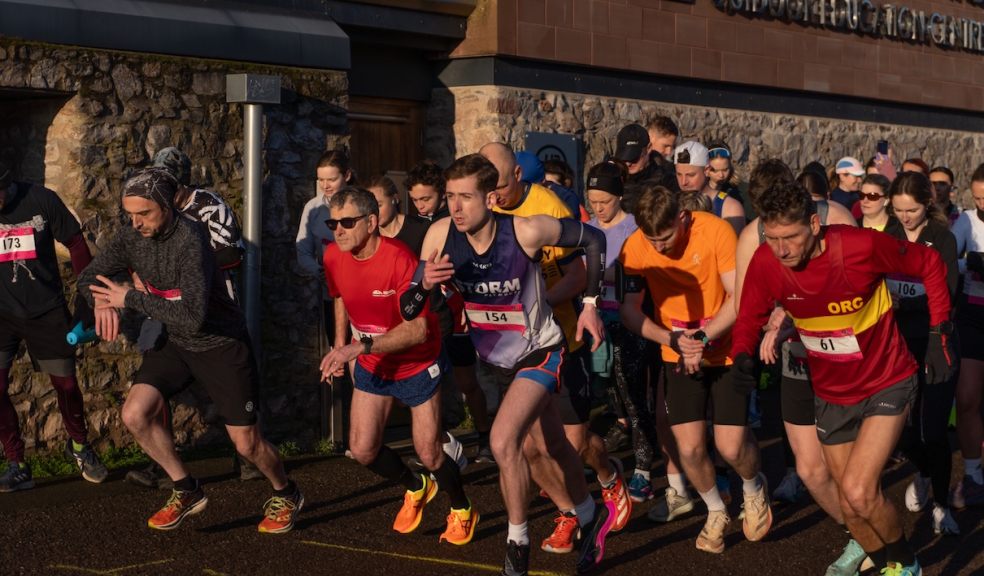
(493,259)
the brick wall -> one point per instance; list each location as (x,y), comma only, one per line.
(700,41)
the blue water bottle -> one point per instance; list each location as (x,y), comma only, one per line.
(80,335)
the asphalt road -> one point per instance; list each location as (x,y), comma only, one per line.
(70,527)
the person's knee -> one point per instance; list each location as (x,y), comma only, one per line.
(138,413)
(812,472)
(505,446)
(860,498)
(731,452)
(694,452)
(431,455)
(247,442)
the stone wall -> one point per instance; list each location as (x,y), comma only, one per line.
(107,113)
(461,119)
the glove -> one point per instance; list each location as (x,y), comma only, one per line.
(743,374)
(940,356)
(975,262)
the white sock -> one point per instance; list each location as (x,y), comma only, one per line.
(519,534)
(585,511)
(713,500)
(753,486)
(643,473)
(972,468)
(678,482)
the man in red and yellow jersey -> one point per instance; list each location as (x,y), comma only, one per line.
(831,282)
(688,263)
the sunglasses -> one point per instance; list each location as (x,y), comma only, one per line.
(347,223)
(873,197)
(718,153)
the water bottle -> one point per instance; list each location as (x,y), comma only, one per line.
(80,335)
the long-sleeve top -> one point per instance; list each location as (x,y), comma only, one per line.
(186,291)
(841,307)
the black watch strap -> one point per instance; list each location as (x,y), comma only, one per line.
(366,344)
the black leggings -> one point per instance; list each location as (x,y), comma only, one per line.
(633,355)
(925,440)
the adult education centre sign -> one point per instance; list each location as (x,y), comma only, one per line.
(870,19)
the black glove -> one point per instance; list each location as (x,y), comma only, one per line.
(743,373)
(941,359)
(975,262)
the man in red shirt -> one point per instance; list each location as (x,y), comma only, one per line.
(394,359)
(831,282)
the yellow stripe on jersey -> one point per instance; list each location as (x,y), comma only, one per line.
(859,316)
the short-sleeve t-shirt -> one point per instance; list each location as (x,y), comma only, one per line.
(371,290)
(32,219)
(540,200)
(687,291)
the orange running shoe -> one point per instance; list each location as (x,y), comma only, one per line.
(461,526)
(562,539)
(181,503)
(279,513)
(618,495)
(408,518)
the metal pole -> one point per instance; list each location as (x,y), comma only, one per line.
(252,229)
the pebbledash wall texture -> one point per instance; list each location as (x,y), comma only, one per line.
(82,120)
(462,119)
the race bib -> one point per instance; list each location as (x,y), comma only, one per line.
(496,316)
(17,244)
(833,345)
(607,299)
(366,330)
(905,286)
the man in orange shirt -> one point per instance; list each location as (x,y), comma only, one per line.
(688,263)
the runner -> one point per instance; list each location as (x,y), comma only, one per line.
(687,261)
(925,439)
(33,309)
(492,259)
(693,175)
(394,360)
(830,280)
(207,341)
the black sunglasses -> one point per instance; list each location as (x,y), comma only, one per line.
(940,185)
(347,223)
(872,197)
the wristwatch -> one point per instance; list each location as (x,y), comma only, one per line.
(700,335)
(366,344)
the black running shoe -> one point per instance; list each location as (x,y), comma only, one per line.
(517,559)
(16,478)
(152,477)
(593,538)
(87,461)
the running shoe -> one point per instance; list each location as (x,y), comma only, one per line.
(790,488)
(593,539)
(758,513)
(896,569)
(671,507)
(618,496)
(87,461)
(484,455)
(711,537)
(16,477)
(723,484)
(152,476)
(180,504)
(617,438)
(280,511)
(561,541)
(943,522)
(456,452)
(917,494)
(412,511)
(640,488)
(247,470)
(967,493)
(461,526)
(849,563)
(517,561)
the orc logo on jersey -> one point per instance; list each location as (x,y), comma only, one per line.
(383,293)
(845,306)
(492,288)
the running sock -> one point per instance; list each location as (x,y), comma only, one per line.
(518,533)
(972,468)
(289,490)
(77,447)
(186,484)
(389,465)
(585,511)
(752,486)
(643,473)
(610,483)
(449,480)
(678,482)
(713,500)
(899,551)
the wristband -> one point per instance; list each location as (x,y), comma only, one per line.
(366,344)
(593,300)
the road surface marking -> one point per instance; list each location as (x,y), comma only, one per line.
(108,571)
(445,561)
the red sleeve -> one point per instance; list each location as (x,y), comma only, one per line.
(329,260)
(756,304)
(890,254)
(79,251)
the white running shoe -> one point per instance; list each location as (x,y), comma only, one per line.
(671,507)
(943,522)
(917,494)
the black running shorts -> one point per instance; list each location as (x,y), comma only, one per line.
(45,336)
(687,395)
(228,373)
(574,400)
(795,390)
(839,424)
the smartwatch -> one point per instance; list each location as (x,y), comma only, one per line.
(366,344)
(700,335)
